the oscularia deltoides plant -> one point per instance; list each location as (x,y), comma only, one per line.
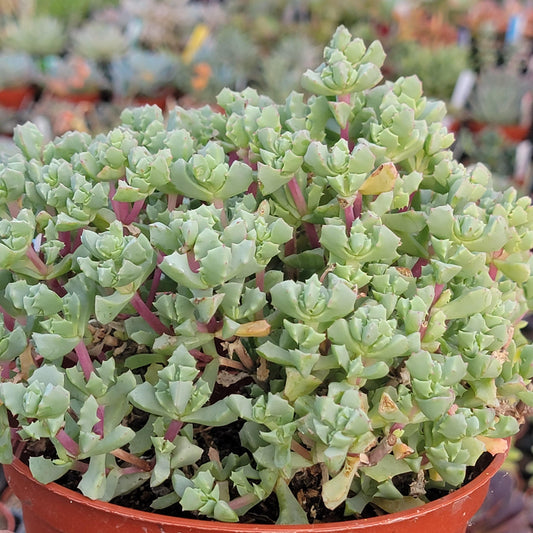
(230,299)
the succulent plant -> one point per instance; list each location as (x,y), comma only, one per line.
(141,72)
(74,75)
(318,279)
(437,67)
(17,69)
(497,96)
(280,70)
(99,41)
(39,36)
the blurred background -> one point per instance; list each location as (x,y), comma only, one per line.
(76,64)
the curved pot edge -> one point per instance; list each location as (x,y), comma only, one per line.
(18,467)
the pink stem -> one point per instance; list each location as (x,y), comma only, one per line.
(242,501)
(174,200)
(290,246)
(6,369)
(298,196)
(70,445)
(312,235)
(9,321)
(120,208)
(98,428)
(493,271)
(80,466)
(57,287)
(344,131)
(232,157)
(153,289)
(439,287)
(260,280)
(417,268)
(252,189)
(14,209)
(349,216)
(219,204)
(194,265)
(77,240)
(148,316)
(134,212)
(36,260)
(84,359)
(357,206)
(64,237)
(209,327)
(200,356)
(173,429)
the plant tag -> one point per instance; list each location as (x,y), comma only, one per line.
(522,166)
(463,88)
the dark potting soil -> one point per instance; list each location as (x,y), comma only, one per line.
(306,485)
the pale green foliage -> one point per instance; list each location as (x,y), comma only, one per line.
(318,278)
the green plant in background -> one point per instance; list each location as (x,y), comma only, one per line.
(437,67)
(280,71)
(318,278)
(99,41)
(141,72)
(70,12)
(490,148)
(37,35)
(497,96)
(17,69)
(74,75)
(234,60)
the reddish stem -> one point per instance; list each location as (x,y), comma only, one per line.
(9,321)
(64,237)
(70,445)
(84,359)
(252,189)
(134,212)
(209,327)
(150,318)
(312,235)
(345,131)
(219,204)
(77,240)
(14,209)
(357,206)
(194,265)
(349,217)
(153,289)
(36,260)
(120,208)
(242,501)
(173,429)
(297,196)
(98,428)
(174,200)
(417,268)
(57,287)
(260,280)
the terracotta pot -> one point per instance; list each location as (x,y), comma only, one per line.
(159,99)
(511,132)
(79,98)
(15,97)
(55,509)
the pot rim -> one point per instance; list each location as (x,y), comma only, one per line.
(331,527)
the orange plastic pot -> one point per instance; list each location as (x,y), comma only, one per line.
(55,509)
(16,97)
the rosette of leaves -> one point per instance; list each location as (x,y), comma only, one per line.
(318,279)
